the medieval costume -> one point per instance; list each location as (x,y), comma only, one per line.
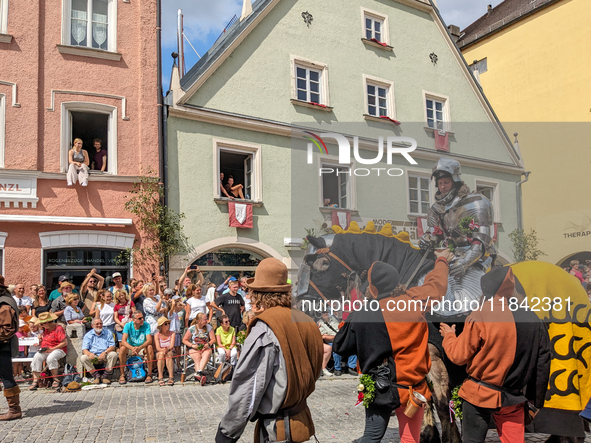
(505,350)
(278,367)
(464,220)
(8,350)
(391,345)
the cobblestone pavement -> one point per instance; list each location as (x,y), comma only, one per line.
(189,413)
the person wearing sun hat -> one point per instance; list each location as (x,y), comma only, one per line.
(280,362)
(54,346)
(59,305)
(8,350)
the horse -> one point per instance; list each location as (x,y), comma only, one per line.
(338,260)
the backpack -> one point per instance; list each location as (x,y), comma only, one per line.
(134,369)
(8,322)
(223,373)
(70,375)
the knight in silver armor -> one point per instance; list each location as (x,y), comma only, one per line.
(472,243)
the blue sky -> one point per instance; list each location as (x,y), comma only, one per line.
(204,20)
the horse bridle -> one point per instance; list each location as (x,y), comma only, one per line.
(328,255)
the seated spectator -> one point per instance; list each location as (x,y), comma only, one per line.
(106,312)
(99,161)
(150,302)
(23,312)
(223,192)
(41,302)
(137,340)
(226,340)
(234,190)
(123,310)
(54,346)
(17,368)
(99,345)
(33,332)
(164,342)
(56,292)
(79,162)
(199,339)
(73,313)
(329,326)
(20,298)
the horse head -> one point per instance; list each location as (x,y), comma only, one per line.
(324,275)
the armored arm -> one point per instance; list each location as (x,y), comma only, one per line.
(433,235)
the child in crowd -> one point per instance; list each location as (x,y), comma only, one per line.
(17,368)
(34,332)
(175,311)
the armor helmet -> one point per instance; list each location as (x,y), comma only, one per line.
(447,167)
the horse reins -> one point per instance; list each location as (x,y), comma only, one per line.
(327,252)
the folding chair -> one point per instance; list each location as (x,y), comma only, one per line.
(212,364)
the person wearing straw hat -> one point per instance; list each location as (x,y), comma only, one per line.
(280,363)
(164,343)
(54,346)
(8,350)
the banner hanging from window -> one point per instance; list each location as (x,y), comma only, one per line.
(240,215)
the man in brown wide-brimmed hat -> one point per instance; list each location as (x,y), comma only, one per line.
(8,349)
(279,365)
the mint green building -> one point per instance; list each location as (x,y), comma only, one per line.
(290,70)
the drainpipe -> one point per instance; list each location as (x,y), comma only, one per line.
(519,205)
(161,113)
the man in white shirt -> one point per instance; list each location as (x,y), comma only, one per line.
(20,298)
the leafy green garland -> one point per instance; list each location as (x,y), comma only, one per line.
(367,390)
(456,403)
(464,226)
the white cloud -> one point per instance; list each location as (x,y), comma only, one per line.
(201,18)
(463,12)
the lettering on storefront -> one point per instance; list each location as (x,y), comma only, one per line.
(10,187)
(577,234)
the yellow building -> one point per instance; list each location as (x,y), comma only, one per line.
(533,60)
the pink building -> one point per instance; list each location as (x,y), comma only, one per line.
(73,69)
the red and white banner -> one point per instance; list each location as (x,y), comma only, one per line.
(442,140)
(240,215)
(341,218)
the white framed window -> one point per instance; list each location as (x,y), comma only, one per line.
(375,26)
(379,97)
(242,162)
(2,128)
(490,189)
(419,193)
(437,113)
(309,81)
(90,24)
(337,184)
(89,121)
(3,16)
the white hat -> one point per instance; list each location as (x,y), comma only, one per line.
(117,274)
(21,323)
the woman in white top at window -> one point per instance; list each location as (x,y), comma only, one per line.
(152,314)
(105,310)
(79,161)
(195,304)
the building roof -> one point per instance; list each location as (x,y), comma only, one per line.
(221,44)
(499,17)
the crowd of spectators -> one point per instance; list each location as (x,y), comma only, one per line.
(582,272)
(134,318)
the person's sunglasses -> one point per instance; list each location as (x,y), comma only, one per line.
(225,322)
(140,318)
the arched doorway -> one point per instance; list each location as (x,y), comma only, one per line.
(224,262)
(580,256)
